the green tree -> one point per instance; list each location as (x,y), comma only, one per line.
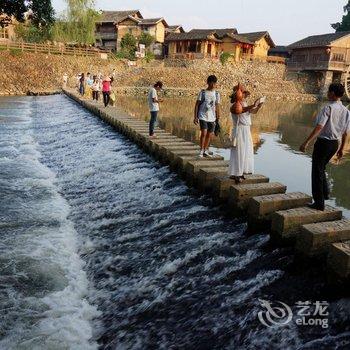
(77,23)
(128,47)
(344,25)
(146,39)
(15,8)
(43,13)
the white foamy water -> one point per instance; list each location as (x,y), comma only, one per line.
(43,284)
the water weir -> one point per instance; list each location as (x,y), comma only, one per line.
(266,205)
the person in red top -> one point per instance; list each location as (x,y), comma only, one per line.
(106,90)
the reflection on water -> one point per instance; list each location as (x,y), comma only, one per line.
(278,131)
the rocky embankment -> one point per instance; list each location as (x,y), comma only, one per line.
(27,73)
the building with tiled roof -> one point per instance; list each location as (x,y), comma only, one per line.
(326,56)
(199,43)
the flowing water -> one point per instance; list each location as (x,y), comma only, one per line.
(102,247)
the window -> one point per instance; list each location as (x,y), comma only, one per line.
(338,57)
(178,47)
(300,58)
(4,33)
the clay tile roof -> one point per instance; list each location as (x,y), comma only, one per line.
(239,38)
(219,32)
(256,36)
(152,21)
(318,40)
(172,28)
(192,36)
(118,16)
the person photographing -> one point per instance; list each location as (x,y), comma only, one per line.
(331,131)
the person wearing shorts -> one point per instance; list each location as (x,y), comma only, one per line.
(206,113)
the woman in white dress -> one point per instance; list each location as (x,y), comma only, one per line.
(242,150)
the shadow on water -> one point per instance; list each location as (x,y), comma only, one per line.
(167,269)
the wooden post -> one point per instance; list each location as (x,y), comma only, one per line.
(35,50)
(22,46)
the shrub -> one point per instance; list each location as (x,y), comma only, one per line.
(146,39)
(224,57)
(149,56)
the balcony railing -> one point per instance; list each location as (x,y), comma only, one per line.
(107,36)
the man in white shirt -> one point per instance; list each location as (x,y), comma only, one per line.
(153,103)
(332,128)
(206,113)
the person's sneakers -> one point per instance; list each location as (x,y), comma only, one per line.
(201,154)
(206,154)
(316,207)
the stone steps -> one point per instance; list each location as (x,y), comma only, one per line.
(192,168)
(222,184)
(260,209)
(338,263)
(240,195)
(286,224)
(315,239)
(205,178)
(179,164)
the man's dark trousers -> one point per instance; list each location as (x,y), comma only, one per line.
(152,122)
(324,150)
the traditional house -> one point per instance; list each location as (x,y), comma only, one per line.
(174,29)
(193,44)
(327,56)
(113,25)
(7,30)
(262,44)
(157,28)
(280,51)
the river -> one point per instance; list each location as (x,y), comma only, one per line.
(102,247)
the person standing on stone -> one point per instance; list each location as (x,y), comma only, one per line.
(206,113)
(65,80)
(106,90)
(153,103)
(331,131)
(242,148)
(96,89)
(82,84)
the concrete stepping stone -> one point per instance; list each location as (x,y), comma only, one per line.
(286,224)
(261,208)
(239,195)
(222,184)
(192,168)
(338,263)
(315,239)
(205,178)
(179,164)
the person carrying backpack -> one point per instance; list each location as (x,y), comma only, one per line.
(207,113)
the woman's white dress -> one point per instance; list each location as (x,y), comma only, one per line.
(242,156)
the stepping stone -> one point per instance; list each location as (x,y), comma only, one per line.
(180,162)
(205,178)
(222,184)
(261,208)
(338,262)
(315,239)
(239,195)
(286,224)
(192,168)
